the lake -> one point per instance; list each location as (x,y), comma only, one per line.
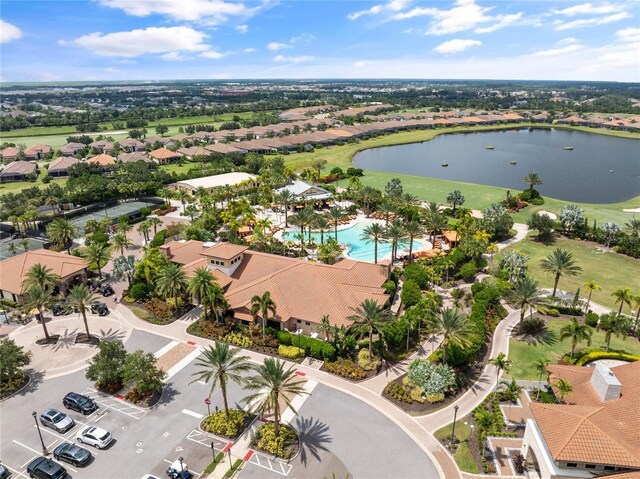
(599,169)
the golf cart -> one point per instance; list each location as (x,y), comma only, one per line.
(178,470)
(100,309)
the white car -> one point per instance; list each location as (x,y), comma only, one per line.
(94,436)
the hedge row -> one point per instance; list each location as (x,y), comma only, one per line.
(315,348)
(595,355)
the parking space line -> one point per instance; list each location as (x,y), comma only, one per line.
(15,471)
(166,348)
(192,413)
(27,447)
(25,464)
(183,363)
(110,402)
(265,462)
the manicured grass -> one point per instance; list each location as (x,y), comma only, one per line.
(465,460)
(523,354)
(612,271)
(463,456)
(16,186)
(463,432)
(178,168)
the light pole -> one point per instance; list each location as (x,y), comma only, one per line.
(453,429)
(181,466)
(213,451)
(44,449)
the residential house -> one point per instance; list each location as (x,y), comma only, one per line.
(131,144)
(103,146)
(163,156)
(18,171)
(71,149)
(236,180)
(36,152)
(102,159)
(192,151)
(60,166)
(133,157)
(10,153)
(225,149)
(152,140)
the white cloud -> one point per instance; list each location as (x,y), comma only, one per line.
(9,32)
(242,28)
(211,54)
(553,52)
(503,22)
(275,46)
(389,7)
(629,34)
(249,50)
(211,12)
(456,46)
(361,64)
(304,38)
(589,9)
(139,42)
(298,59)
(568,41)
(591,22)
(111,70)
(173,57)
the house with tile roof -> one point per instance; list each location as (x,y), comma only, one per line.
(36,152)
(18,171)
(134,157)
(60,166)
(10,153)
(163,156)
(102,159)
(13,270)
(303,291)
(596,431)
(70,149)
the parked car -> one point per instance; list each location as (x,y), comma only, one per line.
(106,290)
(94,436)
(100,309)
(44,468)
(56,420)
(72,453)
(60,309)
(79,403)
(4,472)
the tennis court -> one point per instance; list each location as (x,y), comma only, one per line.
(7,251)
(130,209)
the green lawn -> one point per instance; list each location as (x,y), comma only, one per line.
(612,271)
(16,186)
(523,354)
(463,456)
(178,168)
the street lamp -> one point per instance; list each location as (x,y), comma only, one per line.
(181,466)
(453,429)
(44,449)
(213,451)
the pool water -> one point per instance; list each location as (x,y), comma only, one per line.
(358,248)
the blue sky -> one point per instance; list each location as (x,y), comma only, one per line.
(50,40)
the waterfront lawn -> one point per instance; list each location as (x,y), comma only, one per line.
(612,271)
(524,354)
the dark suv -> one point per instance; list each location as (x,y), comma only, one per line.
(106,290)
(79,403)
(43,468)
(100,309)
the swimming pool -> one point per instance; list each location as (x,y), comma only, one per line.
(358,248)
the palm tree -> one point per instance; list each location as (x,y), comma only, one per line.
(321,223)
(577,332)
(564,387)
(511,391)
(435,222)
(413,229)
(525,293)
(454,328)
(590,286)
(502,364)
(13,249)
(216,301)
(25,243)
(623,296)
(200,284)
(368,318)
(120,242)
(62,232)
(220,364)
(532,179)
(39,298)
(387,208)
(39,275)
(81,298)
(633,225)
(560,262)
(486,423)
(285,198)
(335,215)
(172,282)
(613,325)
(144,228)
(123,225)
(540,365)
(396,234)
(183,197)
(154,222)
(262,305)
(324,327)
(97,254)
(272,384)
(303,219)
(374,233)
(636,304)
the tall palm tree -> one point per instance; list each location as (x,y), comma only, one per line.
(486,423)
(540,366)
(97,254)
(633,225)
(303,219)
(200,284)
(525,293)
(154,222)
(374,233)
(123,225)
(577,332)
(272,384)
(368,318)
(144,228)
(263,305)
(62,232)
(511,391)
(81,298)
(285,198)
(636,304)
(435,222)
(387,208)
(221,364)
(39,298)
(39,275)
(120,242)
(183,197)
(560,262)
(321,223)
(613,325)
(623,296)
(324,327)
(532,179)
(395,234)
(564,387)
(172,282)
(454,328)
(590,286)
(502,364)
(413,229)
(335,215)
(216,301)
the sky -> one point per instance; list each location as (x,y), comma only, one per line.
(87,40)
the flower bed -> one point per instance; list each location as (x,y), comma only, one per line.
(143,400)
(285,446)
(231,427)
(347,369)
(9,388)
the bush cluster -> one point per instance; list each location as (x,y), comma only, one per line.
(434,398)
(430,377)
(410,293)
(591,319)
(366,362)
(159,308)
(398,392)
(315,348)
(418,273)
(208,329)
(586,356)
(468,271)
(139,291)
(284,446)
(531,326)
(290,352)
(238,339)
(345,368)
(159,239)
(231,427)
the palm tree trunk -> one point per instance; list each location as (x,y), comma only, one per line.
(555,285)
(375,251)
(370,344)
(86,324)
(620,308)
(539,386)
(335,230)
(223,390)
(586,308)
(411,250)
(276,416)
(44,324)
(521,314)
(608,340)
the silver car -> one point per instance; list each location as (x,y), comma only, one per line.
(94,436)
(56,420)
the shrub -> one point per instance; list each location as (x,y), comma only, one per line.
(389,288)
(159,308)
(570,310)
(315,348)
(591,319)
(12,359)
(434,398)
(532,326)
(430,377)
(418,273)
(410,293)
(345,368)
(158,239)
(290,352)
(538,201)
(238,339)
(595,355)
(468,271)
(139,291)
(367,363)
(283,446)
(416,394)
(398,392)
(231,427)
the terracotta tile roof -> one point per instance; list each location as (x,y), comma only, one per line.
(225,250)
(134,157)
(222,279)
(224,149)
(102,159)
(163,154)
(194,151)
(34,149)
(451,236)
(63,163)
(13,270)
(183,252)
(592,430)
(19,168)
(10,152)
